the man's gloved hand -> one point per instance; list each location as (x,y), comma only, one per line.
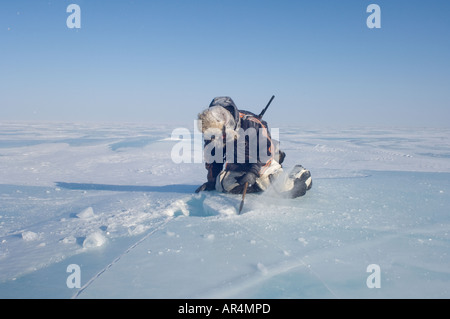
(248,177)
(208,186)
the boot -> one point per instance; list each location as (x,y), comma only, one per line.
(302,181)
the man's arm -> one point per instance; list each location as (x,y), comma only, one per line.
(255,167)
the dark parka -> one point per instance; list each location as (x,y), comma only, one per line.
(243,120)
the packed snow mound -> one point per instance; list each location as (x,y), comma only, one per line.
(30,236)
(87,213)
(94,240)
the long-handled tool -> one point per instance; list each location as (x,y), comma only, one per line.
(243,197)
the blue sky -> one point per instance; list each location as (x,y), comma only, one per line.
(162,61)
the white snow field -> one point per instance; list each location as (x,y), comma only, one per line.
(109,199)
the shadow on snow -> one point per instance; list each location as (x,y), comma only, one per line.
(175,188)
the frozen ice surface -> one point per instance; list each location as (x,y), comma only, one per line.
(110,199)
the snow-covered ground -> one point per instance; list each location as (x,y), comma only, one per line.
(109,199)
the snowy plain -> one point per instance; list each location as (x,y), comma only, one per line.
(109,199)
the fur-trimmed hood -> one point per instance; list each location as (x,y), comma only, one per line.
(227,103)
(216,117)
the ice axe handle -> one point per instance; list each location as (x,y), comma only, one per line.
(243,197)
